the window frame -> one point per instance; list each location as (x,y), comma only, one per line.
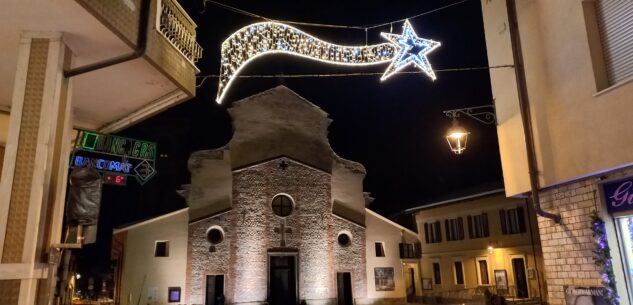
(479,276)
(454,267)
(433,232)
(282,195)
(382,248)
(166,243)
(439,270)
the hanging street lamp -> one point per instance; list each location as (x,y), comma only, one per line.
(456,135)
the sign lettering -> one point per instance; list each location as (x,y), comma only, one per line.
(619,195)
(111,154)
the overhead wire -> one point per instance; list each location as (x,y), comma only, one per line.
(325,25)
(205,77)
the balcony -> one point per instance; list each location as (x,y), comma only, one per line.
(117,96)
(410,251)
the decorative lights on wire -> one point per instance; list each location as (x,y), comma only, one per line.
(263,38)
(602,258)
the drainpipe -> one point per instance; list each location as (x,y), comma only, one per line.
(524,105)
(139,50)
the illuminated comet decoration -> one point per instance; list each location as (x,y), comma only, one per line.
(263,38)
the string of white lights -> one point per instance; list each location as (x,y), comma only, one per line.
(258,39)
(325,25)
(203,78)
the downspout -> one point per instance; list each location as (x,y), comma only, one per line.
(524,106)
(139,50)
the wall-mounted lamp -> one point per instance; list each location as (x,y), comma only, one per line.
(491,249)
(457,136)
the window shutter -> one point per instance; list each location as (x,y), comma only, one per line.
(449,236)
(426,232)
(418,250)
(460,228)
(484,217)
(470,226)
(438,230)
(521,218)
(614,22)
(504,223)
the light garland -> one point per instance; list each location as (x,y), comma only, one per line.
(603,259)
(255,40)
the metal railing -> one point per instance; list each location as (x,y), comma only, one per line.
(179,29)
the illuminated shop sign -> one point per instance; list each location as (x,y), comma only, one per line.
(618,195)
(115,155)
(102,164)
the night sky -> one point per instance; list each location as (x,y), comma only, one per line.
(395,128)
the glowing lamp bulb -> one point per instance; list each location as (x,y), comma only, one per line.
(457,136)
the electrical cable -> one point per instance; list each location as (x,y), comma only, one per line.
(205,77)
(325,25)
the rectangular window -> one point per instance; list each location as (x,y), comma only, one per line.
(161,249)
(512,221)
(432,232)
(380,249)
(454,228)
(482,271)
(437,274)
(459,272)
(478,226)
(614,24)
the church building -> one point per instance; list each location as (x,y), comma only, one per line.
(273,217)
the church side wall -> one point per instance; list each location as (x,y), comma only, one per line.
(351,258)
(202,262)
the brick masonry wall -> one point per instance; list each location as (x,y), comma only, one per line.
(567,247)
(353,257)
(201,262)
(250,233)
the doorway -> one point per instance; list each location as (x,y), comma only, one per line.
(411,283)
(282,280)
(520,277)
(215,290)
(344,288)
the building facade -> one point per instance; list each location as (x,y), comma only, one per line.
(480,242)
(573,71)
(73,64)
(274,217)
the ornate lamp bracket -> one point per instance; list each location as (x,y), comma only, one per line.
(483,114)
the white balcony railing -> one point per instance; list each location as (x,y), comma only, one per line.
(179,29)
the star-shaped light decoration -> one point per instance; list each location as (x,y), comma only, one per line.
(411,50)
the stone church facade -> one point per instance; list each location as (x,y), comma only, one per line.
(274,217)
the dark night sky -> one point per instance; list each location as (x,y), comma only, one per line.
(395,128)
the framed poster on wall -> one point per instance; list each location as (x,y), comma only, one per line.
(501,279)
(384,279)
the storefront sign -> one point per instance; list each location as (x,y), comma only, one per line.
(585,295)
(115,156)
(618,195)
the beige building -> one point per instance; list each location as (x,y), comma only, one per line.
(483,241)
(274,217)
(563,111)
(73,63)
